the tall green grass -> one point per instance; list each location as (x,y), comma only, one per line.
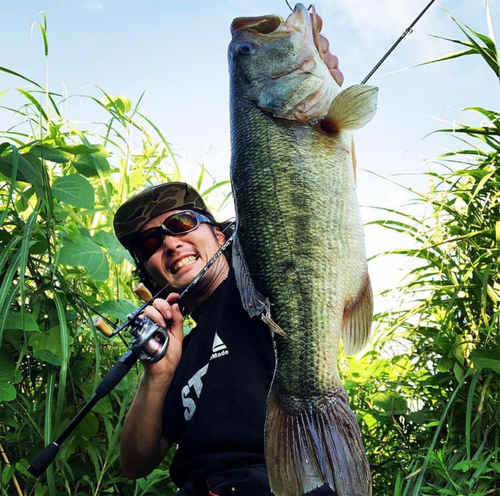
(428,396)
(60,266)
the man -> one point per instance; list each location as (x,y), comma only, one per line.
(208,394)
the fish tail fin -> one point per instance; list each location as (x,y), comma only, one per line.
(307,447)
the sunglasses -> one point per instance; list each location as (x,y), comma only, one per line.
(151,240)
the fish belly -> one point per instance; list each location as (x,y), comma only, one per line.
(301,237)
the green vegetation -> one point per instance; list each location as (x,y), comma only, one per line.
(426,394)
(60,267)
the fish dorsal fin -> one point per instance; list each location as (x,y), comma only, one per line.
(357,321)
(353,107)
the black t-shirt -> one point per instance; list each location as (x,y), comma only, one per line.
(216,405)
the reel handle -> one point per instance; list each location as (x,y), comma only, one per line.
(103,327)
(143,292)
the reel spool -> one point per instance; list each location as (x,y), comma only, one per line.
(150,339)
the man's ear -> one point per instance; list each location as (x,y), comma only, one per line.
(221,237)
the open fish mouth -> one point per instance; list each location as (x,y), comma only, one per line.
(298,20)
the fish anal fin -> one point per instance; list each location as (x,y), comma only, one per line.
(357,319)
(308,446)
(352,108)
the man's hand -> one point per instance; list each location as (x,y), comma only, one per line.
(331,61)
(166,313)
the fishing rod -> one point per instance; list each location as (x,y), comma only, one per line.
(408,31)
(149,343)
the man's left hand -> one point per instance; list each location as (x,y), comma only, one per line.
(331,61)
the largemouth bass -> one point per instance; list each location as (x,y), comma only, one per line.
(299,254)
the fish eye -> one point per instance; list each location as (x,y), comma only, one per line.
(245,49)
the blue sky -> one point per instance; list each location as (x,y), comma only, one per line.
(176,51)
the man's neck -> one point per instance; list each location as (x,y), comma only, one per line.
(207,285)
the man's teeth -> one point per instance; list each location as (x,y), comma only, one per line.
(185,261)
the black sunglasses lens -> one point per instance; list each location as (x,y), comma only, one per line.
(150,243)
(181,222)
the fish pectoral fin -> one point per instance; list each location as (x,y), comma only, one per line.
(353,107)
(357,319)
(253,302)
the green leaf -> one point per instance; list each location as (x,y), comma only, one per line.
(116,251)
(7,372)
(119,309)
(463,466)
(47,346)
(74,190)
(13,73)
(51,154)
(85,253)
(118,102)
(89,427)
(80,149)
(90,165)
(497,233)
(34,101)
(486,359)
(15,321)
(29,169)
(7,473)
(390,402)
(420,417)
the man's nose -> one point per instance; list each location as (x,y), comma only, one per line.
(171,243)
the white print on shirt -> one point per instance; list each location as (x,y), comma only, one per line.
(192,390)
(218,348)
(196,383)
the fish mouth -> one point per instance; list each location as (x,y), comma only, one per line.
(299,20)
(179,264)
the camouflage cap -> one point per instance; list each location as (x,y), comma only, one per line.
(153,201)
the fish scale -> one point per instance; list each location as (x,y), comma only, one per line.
(311,272)
(299,254)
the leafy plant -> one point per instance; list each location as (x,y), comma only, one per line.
(61,266)
(428,396)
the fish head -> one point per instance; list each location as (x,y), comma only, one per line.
(274,64)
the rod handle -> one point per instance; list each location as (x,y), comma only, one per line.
(41,461)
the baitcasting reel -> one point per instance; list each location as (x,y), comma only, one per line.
(148,339)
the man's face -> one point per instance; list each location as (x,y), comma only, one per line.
(181,257)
